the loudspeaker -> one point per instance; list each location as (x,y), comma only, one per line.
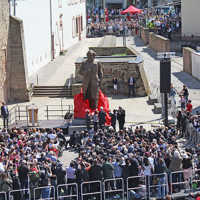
(165,75)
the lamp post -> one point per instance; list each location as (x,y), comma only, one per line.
(124,32)
(51,31)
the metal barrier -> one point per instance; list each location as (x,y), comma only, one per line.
(58,111)
(20,194)
(177,182)
(4,195)
(160,183)
(46,193)
(136,186)
(195,180)
(94,188)
(114,187)
(63,191)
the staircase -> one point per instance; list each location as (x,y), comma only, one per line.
(52,91)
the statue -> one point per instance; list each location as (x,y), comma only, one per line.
(92,76)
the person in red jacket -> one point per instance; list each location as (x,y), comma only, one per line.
(189,106)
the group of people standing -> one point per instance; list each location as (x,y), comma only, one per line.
(100,119)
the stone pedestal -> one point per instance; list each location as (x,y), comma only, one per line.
(76,88)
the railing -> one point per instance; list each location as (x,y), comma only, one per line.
(3,196)
(19,114)
(44,193)
(57,111)
(114,188)
(91,189)
(67,191)
(141,187)
(133,187)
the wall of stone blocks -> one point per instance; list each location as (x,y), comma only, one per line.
(159,43)
(187,60)
(109,51)
(122,71)
(16,81)
(4,25)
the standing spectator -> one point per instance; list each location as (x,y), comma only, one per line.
(4,114)
(95,120)
(23,171)
(71,177)
(172,94)
(189,106)
(131,86)
(121,118)
(185,93)
(113,119)
(108,172)
(115,86)
(88,119)
(102,118)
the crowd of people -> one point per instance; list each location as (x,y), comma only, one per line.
(110,21)
(29,159)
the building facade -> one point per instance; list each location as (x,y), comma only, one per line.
(190,15)
(50,28)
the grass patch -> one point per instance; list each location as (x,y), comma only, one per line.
(120,54)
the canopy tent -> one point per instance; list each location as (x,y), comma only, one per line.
(131,10)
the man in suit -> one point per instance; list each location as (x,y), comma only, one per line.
(4,114)
(131,86)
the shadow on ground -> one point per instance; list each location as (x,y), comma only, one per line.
(187,80)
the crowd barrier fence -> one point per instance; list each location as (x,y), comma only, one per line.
(146,187)
(44,193)
(94,188)
(3,196)
(131,188)
(113,187)
(20,194)
(63,191)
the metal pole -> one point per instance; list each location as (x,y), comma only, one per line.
(166,108)
(51,29)
(14,7)
(47,113)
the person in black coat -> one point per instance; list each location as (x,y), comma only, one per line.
(121,118)
(113,118)
(4,114)
(102,118)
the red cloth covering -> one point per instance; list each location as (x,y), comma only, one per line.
(81,105)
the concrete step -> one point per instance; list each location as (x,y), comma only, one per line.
(52,91)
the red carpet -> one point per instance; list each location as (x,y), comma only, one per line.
(81,105)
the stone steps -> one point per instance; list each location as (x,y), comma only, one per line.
(52,91)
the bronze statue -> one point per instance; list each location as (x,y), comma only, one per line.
(92,76)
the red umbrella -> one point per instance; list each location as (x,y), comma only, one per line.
(131,10)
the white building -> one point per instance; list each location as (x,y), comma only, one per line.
(190,16)
(68,27)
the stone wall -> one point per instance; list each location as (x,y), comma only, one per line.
(16,63)
(4,24)
(187,59)
(122,71)
(145,35)
(159,43)
(109,51)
